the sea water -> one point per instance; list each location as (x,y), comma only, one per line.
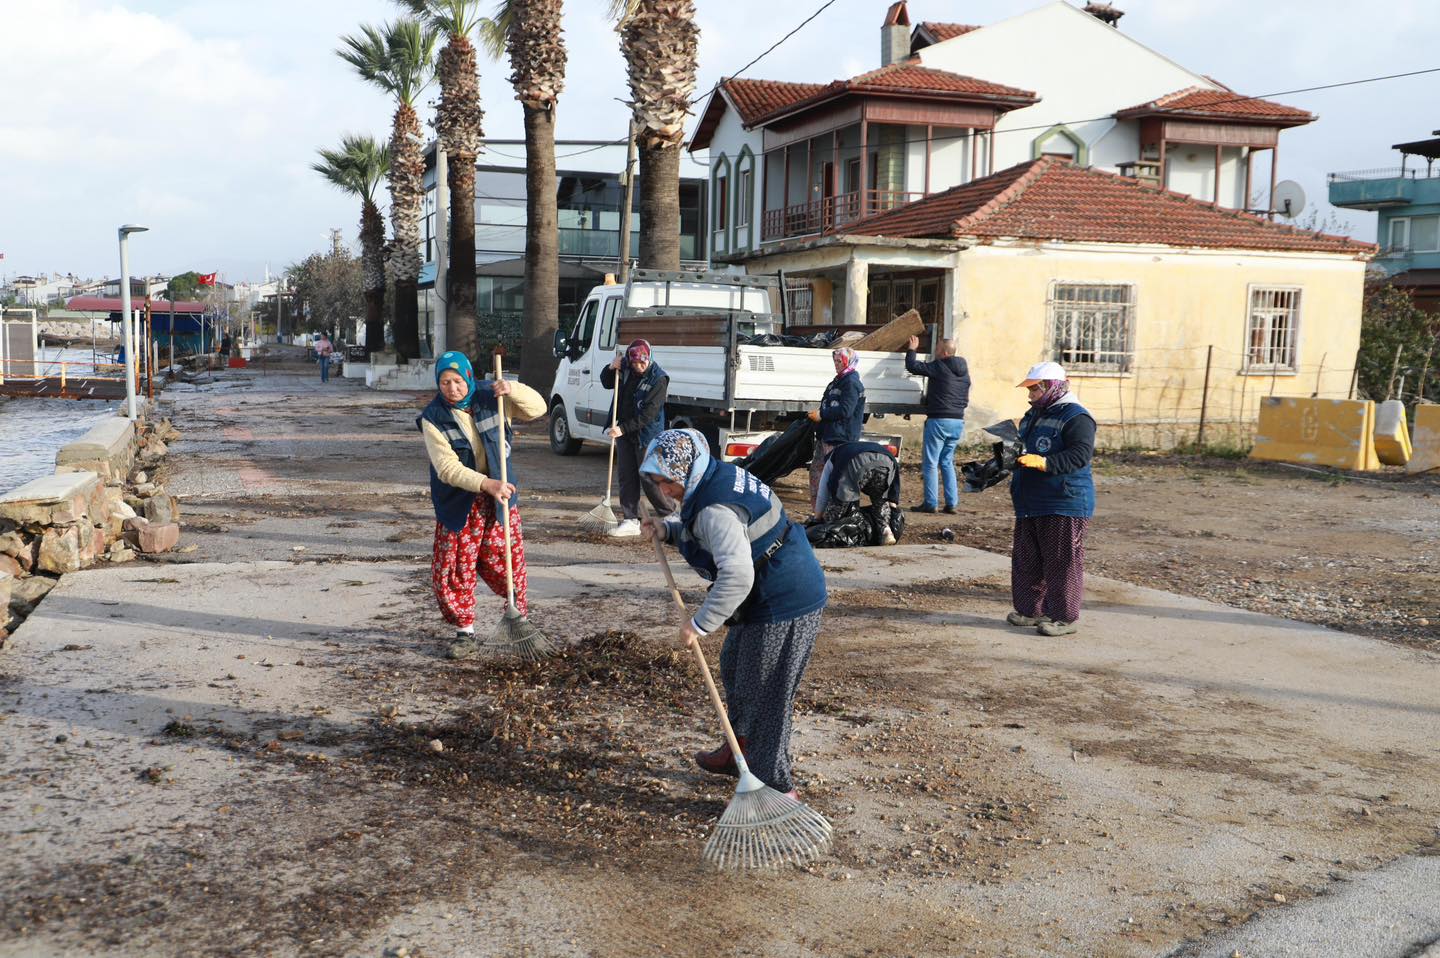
(32,430)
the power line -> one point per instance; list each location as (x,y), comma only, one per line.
(768,50)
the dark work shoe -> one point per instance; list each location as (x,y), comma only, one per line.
(924,508)
(1025,621)
(721,761)
(464,647)
(951,510)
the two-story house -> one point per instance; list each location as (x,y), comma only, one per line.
(1097,219)
(1408,201)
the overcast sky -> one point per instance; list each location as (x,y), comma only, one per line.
(200,119)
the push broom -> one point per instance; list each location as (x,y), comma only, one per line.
(602,517)
(760,828)
(516,634)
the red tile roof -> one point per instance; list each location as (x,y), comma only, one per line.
(1052,199)
(908,77)
(113,304)
(761,101)
(946,31)
(1220,104)
(756,98)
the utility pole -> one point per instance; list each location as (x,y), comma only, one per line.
(628,181)
(442,248)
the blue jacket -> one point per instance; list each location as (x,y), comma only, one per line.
(640,397)
(842,409)
(1051,493)
(452,505)
(791,583)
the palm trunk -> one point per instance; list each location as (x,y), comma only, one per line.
(372,271)
(460,321)
(407,319)
(660,207)
(407,196)
(542,252)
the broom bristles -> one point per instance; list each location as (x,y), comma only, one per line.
(763,828)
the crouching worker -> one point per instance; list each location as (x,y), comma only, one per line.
(767,587)
(465,440)
(857,468)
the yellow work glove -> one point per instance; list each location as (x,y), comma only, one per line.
(1032,461)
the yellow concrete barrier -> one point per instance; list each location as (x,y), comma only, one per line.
(1317,432)
(1392,436)
(1426,453)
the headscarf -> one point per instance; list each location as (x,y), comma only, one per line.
(457,362)
(1051,390)
(639,351)
(852,359)
(680,455)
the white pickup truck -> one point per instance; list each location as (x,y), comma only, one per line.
(735,394)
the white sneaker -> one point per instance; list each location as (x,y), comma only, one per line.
(626,529)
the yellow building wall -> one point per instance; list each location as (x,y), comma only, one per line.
(1184,302)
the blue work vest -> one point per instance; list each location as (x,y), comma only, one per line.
(842,391)
(1037,493)
(453,504)
(648,381)
(791,583)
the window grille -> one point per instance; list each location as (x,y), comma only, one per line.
(1092,326)
(1273,327)
(800,302)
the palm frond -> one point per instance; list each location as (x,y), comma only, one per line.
(496,28)
(453,17)
(368,54)
(357,167)
(410,45)
(622,10)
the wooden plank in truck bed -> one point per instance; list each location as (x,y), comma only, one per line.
(675,330)
(893,336)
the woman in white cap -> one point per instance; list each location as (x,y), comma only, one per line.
(1054,498)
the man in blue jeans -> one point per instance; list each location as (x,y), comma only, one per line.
(945,400)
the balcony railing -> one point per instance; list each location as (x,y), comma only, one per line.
(1384,173)
(818,216)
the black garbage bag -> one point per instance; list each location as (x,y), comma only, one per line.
(813,341)
(781,454)
(856,526)
(984,473)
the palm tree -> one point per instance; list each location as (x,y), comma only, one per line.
(399,58)
(529,31)
(357,168)
(458,122)
(659,39)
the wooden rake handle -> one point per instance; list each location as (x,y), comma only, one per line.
(614,421)
(504,501)
(715,698)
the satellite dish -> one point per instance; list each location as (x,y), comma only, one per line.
(1288,199)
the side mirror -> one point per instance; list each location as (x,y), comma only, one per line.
(561,344)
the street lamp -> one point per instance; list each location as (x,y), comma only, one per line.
(125,317)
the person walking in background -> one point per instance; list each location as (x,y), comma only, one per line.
(767,587)
(1054,498)
(323,350)
(841,414)
(640,417)
(946,396)
(464,439)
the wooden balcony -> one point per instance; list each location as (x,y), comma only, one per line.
(823,215)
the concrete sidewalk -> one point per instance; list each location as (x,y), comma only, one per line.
(1189,762)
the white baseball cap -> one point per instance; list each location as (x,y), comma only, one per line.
(1043,371)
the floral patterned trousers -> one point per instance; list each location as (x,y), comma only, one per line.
(478,550)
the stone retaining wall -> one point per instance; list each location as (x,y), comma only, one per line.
(100,505)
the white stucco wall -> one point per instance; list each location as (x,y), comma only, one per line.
(1079,67)
(729,140)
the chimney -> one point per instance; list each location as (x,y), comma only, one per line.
(1105,13)
(895,34)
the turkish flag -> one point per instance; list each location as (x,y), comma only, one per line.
(206,279)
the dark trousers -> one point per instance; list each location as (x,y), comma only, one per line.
(1047,566)
(627,465)
(761,666)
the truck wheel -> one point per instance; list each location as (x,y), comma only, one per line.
(561,442)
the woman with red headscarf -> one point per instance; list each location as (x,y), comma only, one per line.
(1054,498)
(640,417)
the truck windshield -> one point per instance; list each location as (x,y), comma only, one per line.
(584,328)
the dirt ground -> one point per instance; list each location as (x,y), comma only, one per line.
(990,797)
(1355,552)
